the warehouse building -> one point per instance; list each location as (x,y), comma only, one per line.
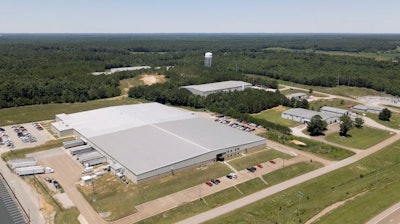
(304,116)
(297,96)
(227,86)
(151,140)
(335,111)
(367,109)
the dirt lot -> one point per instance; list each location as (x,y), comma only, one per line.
(150,79)
(41,136)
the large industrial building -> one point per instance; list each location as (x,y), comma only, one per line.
(226,86)
(151,140)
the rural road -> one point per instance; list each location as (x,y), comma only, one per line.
(213,213)
(390,215)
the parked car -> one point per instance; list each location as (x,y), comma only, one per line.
(209,183)
(251,169)
(271,161)
(259,166)
(215,181)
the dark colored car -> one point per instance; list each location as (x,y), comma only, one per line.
(252,169)
(209,183)
(229,176)
(271,161)
(215,181)
(259,166)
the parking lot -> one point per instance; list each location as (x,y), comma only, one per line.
(23,136)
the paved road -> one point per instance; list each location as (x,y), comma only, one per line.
(390,215)
(213,213)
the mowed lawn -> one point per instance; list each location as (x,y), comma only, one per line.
(114,196)
(374,180)
(254,158)
(360,138)
(274,115)
(393,123)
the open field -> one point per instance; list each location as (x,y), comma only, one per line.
(320,149)
(252,159)
(114,196)
(229,194)
(379,56)
(338,103)
(274,115)
(376,176)
(26,114)
(360,138)
(393,123)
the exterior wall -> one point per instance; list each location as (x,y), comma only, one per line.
(334,113)
(293,117)
(205,93)
(62,133)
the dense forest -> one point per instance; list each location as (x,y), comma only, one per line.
(46,68)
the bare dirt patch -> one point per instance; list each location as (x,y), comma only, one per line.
(150,79)
(279,108)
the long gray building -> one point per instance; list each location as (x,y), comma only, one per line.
(304,116)
(151,140)
(226,86)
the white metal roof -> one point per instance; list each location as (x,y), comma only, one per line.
(334,110)
(218,86)
(145,137)
(307,114)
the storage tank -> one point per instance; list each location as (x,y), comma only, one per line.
(207,59)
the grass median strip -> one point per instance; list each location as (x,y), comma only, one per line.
(377,175)
(192,208)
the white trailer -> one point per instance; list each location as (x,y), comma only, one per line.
(81,149)
(73,143)
(30,170)
(83,161)
(23,162)
(87,154)
(94,162)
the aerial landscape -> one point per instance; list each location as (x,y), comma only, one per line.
(200,112)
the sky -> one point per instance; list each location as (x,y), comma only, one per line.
(199,16)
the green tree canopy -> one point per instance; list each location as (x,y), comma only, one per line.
(316,126)
(385,114)
(346,124)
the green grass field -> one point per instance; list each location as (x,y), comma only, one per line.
(339,103)
(112,195)
(254,158)
(274,115)
(377,176)
(192,208)
(360,138)
(393,123)
(318,148)
(19,115)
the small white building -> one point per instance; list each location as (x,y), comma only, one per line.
(304,116)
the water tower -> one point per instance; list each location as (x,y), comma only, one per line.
(207,59)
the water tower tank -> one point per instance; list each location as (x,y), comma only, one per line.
(207,59)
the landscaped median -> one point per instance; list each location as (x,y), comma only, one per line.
(373,180)
(115,199)
(230,194)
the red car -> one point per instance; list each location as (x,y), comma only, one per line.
(259,166)
(209,183)
(271,161)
